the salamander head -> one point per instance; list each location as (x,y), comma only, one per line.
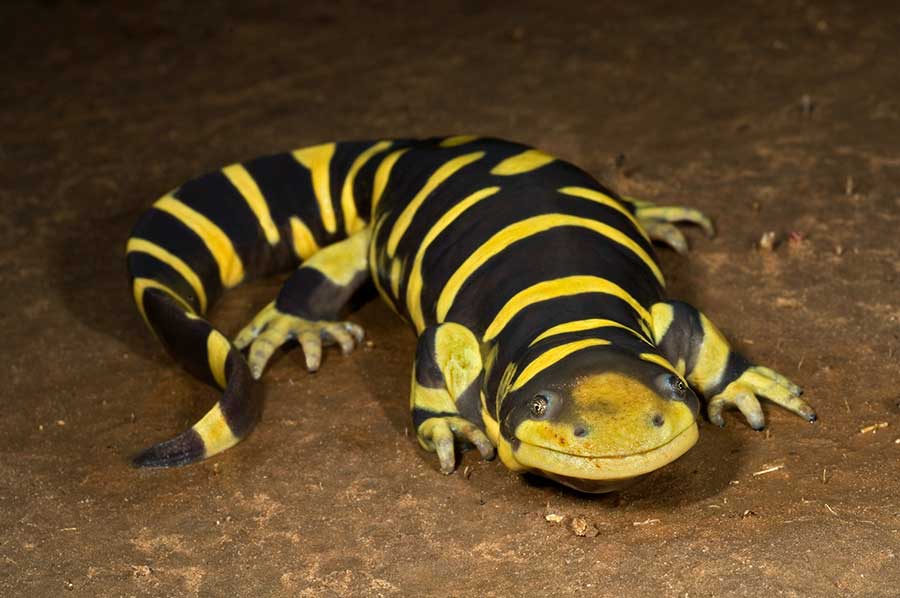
(597,420)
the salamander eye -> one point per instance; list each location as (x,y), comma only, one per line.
(538,405)
(678,385)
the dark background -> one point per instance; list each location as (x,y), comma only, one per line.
(769,116)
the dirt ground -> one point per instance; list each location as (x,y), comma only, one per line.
(769,116)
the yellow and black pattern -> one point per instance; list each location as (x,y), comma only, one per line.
(222,229)
(535,291)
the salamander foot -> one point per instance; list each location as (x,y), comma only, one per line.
(439,434)
(766,383)
(659,221)
(271,328)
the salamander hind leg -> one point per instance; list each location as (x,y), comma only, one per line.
(445,395)
(658,222)
(308,305)
(272,328)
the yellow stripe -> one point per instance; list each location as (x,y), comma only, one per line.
(248,188)
(342,262)
(231,270)
(414,286)
(217,348)
(174,262)
(142,284)
(436,400)
(600,198)
(352,223)
(580,325)
(214,431)
(317,159)
(396,267)
(440,175)
(551,356)
(559,287)
(525,162)
(522,230)
(458,356)
(304,242)
(658,360)
(712,357)
(457,140)
(663,314)
(382,175)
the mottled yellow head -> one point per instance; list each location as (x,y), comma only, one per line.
(594,421)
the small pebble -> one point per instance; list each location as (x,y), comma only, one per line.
(583,529)
(553,517)
(767,241)
(807,105)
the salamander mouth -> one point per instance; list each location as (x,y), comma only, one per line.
(603,474)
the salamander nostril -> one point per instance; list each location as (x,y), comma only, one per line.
(658,420)
(580,431)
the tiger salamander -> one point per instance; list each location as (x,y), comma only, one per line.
(544,332)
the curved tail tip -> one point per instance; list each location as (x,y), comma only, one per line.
(181,450)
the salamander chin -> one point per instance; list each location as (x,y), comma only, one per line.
(602,474)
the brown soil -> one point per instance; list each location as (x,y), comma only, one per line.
(769,116)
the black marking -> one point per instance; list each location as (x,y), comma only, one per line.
(419,415)
(242,401)
(428,372)
(469,402)
(309,294)
(181,450)
(684,337)
(184,338)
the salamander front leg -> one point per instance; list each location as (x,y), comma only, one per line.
(758,381)
(688,339)
(445,396)
(308,305)
(659,221)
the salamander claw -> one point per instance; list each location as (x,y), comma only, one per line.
(763,382)
(439,434)
(667,233)
(271,328)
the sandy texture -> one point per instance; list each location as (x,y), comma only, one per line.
(769,119)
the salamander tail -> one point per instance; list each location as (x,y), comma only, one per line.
(208,355)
